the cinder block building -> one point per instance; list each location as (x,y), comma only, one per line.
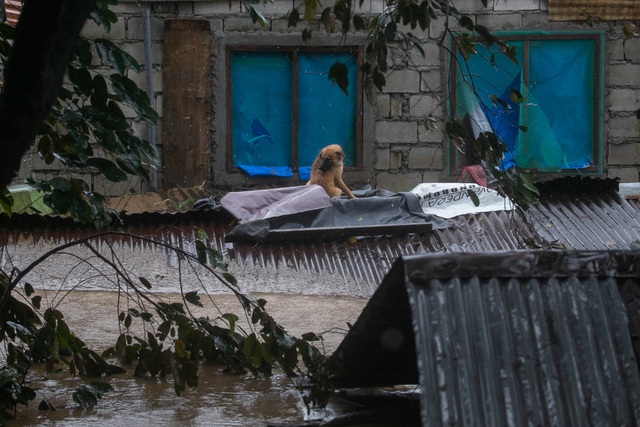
(244,105)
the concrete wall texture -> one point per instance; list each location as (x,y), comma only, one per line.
(403,150)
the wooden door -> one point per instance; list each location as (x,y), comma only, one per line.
(186,82)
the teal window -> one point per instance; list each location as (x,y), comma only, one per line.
(546,108)
(284,109)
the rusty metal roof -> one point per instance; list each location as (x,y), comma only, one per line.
(505,338)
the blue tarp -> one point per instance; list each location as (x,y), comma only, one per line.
(551,126)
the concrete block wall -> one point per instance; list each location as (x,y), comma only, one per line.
(622,105)
(408,143)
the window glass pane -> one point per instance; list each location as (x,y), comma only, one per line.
(325,114)
(261,117)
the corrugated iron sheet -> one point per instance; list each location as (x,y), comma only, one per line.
(578,214)
(504,339)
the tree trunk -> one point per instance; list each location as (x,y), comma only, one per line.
(43,46)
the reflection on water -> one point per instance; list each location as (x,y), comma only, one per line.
(219,400)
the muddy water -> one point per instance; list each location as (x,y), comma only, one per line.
(83,287)
(220,399)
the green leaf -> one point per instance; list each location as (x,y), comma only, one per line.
(28,289)
(83,51)
(146,316)
(306,35)
(528,184)
(378,79)
(231,319)
(145,282)
(112,55)
(87,395)
(255,15)
(100,92)
(101,15)
(310,336)
(359,23)
(230,278)
(515,96)
(326,17)
(252,350)
(81,78)
(474,197)
(339,74)
(45,405)
(133,167)
(309,9)
(201,252)
(390,32)
(108,169)
(342,12)
(193,298)
(133,96)
(6,201)
(293,18)
(485,34)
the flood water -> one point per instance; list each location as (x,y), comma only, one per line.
(80,286)
(219,400)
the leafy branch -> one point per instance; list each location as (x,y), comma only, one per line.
(174,341)
(87,131)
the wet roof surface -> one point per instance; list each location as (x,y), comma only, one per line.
(507,338)
(572,213)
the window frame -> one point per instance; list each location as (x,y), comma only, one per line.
(456,160)
(293,51)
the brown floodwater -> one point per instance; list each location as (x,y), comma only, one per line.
(220,399)
(84,291)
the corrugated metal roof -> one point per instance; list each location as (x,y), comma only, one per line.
(577,214)
(506,338)
(572,213)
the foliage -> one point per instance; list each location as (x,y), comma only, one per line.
(158,339)
(30,336)
(87,130)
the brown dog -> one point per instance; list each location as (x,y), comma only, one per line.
(326,171)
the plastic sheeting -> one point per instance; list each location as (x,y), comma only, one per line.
(450,200)
(261,204)
(544,112)
(302,207)
(263,104)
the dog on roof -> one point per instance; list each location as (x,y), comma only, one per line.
(326,171)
